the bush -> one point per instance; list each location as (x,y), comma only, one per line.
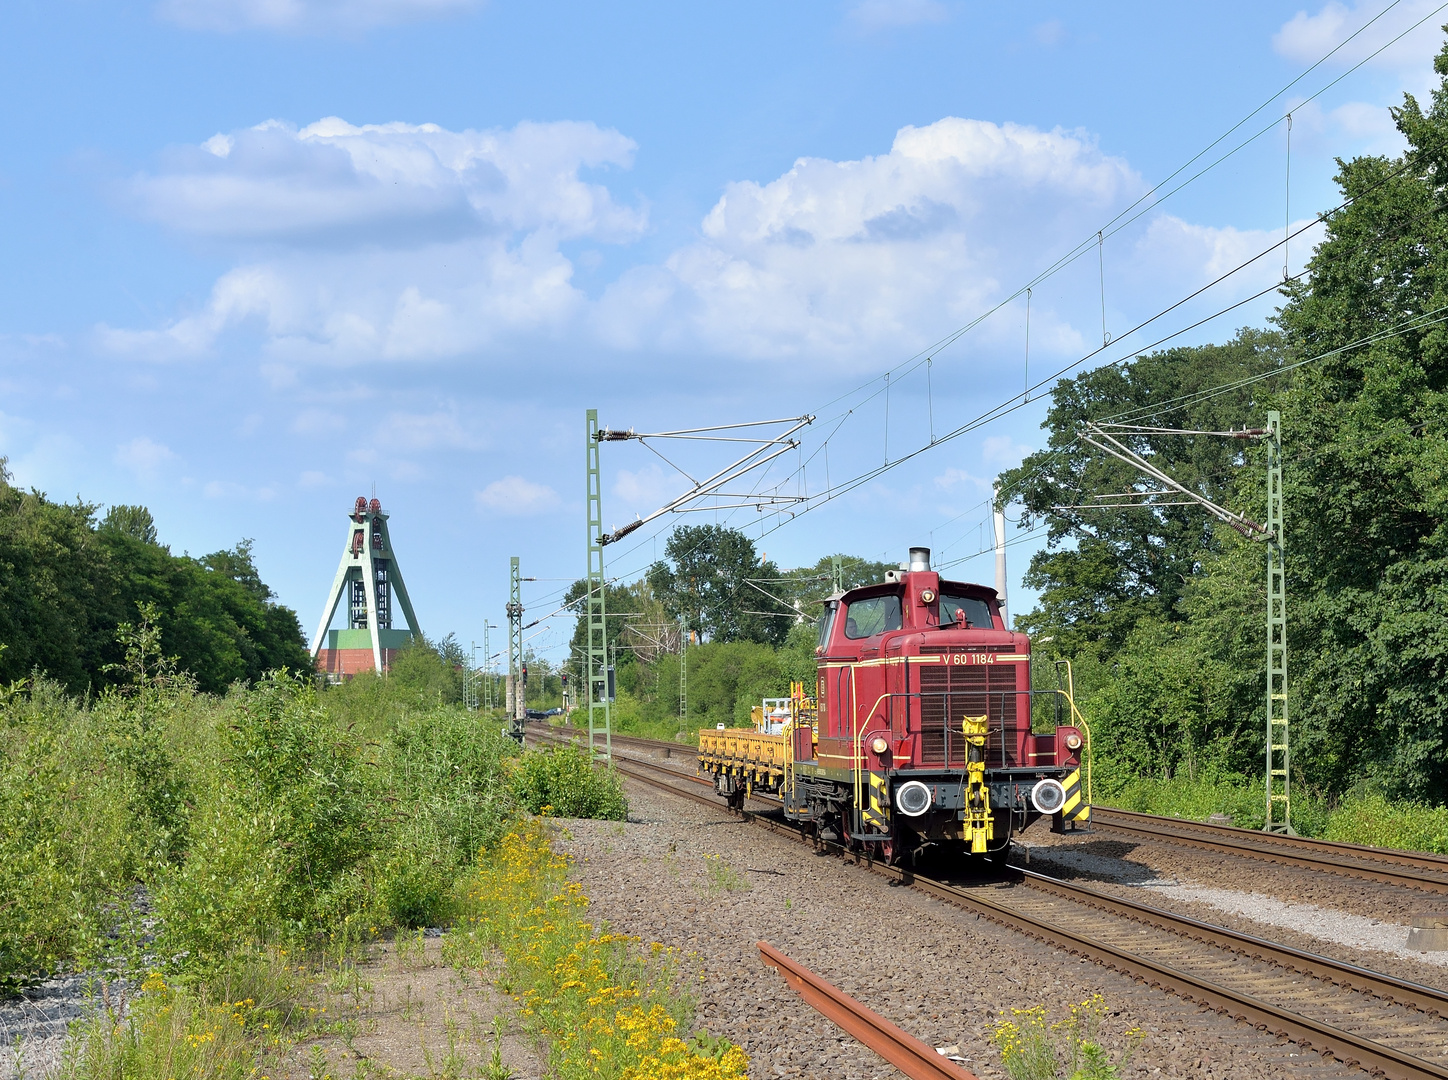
(562,778)
(444,772)
(1369,818)
(66,844)
(278,838)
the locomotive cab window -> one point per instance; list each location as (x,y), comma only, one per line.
(866,618)
(965,611)
(826,621)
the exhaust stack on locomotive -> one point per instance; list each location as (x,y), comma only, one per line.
(920,729)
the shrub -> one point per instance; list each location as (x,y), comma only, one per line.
(66,844)
(563,778)
(1369,818)
(277,839)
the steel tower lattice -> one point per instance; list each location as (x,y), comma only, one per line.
(515,650)
(595,644)
(1279,802)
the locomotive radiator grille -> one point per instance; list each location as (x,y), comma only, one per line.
(949,693)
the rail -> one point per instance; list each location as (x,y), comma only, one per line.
(1309,1032)
(901,1049)
(1389,866)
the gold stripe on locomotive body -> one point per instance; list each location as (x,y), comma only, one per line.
(920,730)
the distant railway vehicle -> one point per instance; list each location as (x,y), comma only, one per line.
(919,731)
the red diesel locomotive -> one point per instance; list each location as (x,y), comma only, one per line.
(920,732)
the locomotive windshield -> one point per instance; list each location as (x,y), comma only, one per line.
(965,611)
(826,621)
(866,618)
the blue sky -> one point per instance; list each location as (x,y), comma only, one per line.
(262,256)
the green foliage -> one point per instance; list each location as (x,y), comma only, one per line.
(66,585)
(133,521)
(1103,571)
(1369,818)
(64,848)
(279,838)
(563,779)
(423,676)
(447,770)
(1165,613)
(712,578)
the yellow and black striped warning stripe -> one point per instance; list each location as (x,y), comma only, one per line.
(1075,808)
(874,814)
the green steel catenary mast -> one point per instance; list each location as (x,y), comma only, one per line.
(595,645)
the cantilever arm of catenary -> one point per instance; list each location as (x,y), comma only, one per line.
(749,461)
(1245,525)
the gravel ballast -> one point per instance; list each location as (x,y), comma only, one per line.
(711,885)
(1356,922)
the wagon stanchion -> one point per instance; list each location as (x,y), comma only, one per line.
(901,1049)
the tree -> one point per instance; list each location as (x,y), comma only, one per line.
(67,584)
(133,521)
(711,577)
(1105,570)
(1367,429)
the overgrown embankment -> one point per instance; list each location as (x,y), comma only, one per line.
(210,848)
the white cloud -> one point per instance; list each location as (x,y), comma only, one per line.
(390,241)
(644,490)
(1307,38)
(1003,451)
(312,479)
(430,431)
(872,15)
(1049,33)
(396,242)
(853,259)
(1179,256)
(143,456)
(395,184)
(307,16)
(953,478)
(513,496)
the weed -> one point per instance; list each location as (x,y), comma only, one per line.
(496,1070)
(601,1003)
(1033,1048)
(723,877)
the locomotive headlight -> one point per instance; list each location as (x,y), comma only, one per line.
(912,798)
(1048,796)
(927,596)
(879,744)
(1073,741)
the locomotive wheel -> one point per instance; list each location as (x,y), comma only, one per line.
(736,800)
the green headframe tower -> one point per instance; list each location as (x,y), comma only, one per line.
(370,581)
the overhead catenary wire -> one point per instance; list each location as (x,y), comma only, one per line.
(1123,218)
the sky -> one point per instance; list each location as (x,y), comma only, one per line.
(260,257)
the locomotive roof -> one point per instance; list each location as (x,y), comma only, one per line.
(884,588)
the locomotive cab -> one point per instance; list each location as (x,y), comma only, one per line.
(922,732)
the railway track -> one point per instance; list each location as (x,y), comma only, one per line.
(1413,870)
(1387,1026)
(1409,869)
